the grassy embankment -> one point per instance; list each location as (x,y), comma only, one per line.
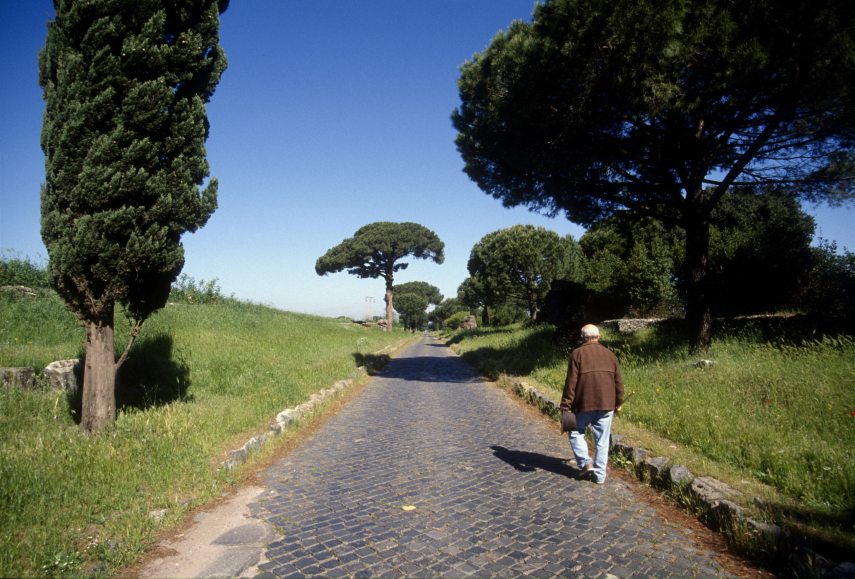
(774,415)
(201,380)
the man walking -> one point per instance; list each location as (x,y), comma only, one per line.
(593,390)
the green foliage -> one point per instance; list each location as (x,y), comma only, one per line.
(455,320)
(201,381)
(37,330)
(187,290)
(21,271)
(473,294)
(429,292)
(760,259)
(508,312)
(775,406)
(520,263)
(633,265)
(830,288)
(760,254)
(125,87)
(416,296)
(445,310)
(412,308)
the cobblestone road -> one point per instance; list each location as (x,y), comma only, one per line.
(491,492)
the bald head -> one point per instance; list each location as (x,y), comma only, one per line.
(590,333)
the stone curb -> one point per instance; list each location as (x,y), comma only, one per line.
(290,416)
(286,418)
(711,499)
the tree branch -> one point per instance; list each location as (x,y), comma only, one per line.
(135,332)
(746,157)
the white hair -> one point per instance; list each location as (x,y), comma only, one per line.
(590,331)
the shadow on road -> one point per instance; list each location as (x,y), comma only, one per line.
(447,369)
(373,363)
(530,461)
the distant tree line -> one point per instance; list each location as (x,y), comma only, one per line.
(761,261)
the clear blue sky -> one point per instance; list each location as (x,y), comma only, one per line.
(332,114)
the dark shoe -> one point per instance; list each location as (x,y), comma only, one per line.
(587,471)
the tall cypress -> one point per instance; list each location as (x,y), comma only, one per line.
(125,86)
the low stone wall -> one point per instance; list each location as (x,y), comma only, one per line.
(630,325)
(60,375)
(712,500)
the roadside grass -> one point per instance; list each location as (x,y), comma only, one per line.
(200,381)
(772,414)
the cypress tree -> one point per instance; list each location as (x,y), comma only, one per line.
(125,86)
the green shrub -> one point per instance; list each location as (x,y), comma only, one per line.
(16,270)
(454,321)
(189,291)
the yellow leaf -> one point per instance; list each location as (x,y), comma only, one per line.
(409,508)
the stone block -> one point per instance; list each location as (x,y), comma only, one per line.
(21,378)
(288,416)
(768,535)
(679,476)
(726,515)
(638,456)
(253,444)
(238,456)
(64,374)
(654,469)
(157,515)
(709,492)
(342,384)
(285,417)
(621,449)
(469,323)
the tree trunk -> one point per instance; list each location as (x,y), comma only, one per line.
(532,306)
(698,316)
(389,306)
(485,316)
(99,376)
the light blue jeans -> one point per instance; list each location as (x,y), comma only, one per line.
(600,422)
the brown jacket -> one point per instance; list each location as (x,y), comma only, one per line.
(593,380)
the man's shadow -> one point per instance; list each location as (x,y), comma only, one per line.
(531,461)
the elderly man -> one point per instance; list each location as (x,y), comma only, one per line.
(593,390)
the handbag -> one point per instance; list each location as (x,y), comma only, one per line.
(568,421)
